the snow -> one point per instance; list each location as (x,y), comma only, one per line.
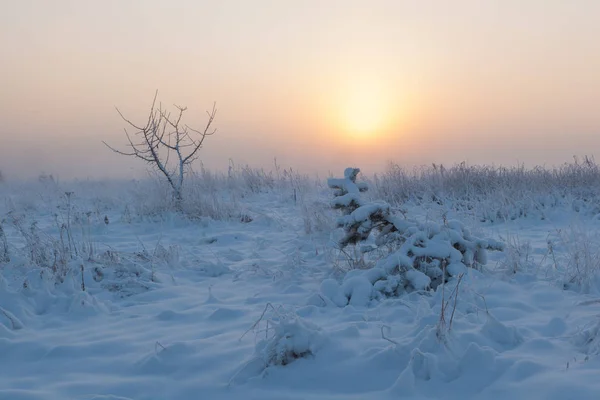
(417,279)
(178,308)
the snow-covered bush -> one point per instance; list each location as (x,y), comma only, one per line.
(292,338)
(418,256)
(429,252)
(286,337)
(347,199)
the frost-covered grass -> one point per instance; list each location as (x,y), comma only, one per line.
(495,193)
(207,194)
(107,293)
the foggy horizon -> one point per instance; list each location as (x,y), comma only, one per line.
(318,86)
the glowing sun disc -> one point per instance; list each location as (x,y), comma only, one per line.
(363,109)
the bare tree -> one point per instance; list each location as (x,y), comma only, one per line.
(166,143)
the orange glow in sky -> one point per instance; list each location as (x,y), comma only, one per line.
(318,84)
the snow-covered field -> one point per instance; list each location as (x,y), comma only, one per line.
(105,294)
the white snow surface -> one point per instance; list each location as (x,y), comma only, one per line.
(259,310)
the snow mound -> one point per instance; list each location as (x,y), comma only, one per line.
(293,339)
(289,338)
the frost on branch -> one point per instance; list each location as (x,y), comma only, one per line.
(420,256)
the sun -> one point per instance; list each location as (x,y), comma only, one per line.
(363,109)
(363,115)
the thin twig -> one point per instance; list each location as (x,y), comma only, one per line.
(455,300)
(259,319)
(387,338)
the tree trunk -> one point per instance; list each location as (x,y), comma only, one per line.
(178,200)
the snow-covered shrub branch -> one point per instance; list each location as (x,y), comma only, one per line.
(419,256)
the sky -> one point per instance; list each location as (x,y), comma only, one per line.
(318,85)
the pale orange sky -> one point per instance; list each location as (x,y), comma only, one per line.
(318,84)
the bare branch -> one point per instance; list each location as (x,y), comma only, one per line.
(204,134)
